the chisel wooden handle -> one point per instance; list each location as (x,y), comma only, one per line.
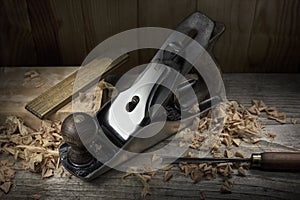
(277,161)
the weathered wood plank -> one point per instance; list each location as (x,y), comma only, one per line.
(280,90)
(258,185)
(16,42)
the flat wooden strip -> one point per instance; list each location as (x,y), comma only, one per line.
(60,94)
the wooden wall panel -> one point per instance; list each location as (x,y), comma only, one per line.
(232,48)
(70,30)
(275,37)
(16,43)
(105,18)
(166,14)
(45,32)
(260,36)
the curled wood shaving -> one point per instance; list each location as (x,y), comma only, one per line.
(5,187)
(36,196)
(155,158)
(294,121)
(281,117)
(143,177)
(202,196)
(241,171)
(228,154)
(7,173)
(236,141)
(167,176)
(239,153)
(259,104)
(226,187)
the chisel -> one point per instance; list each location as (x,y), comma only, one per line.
(277,161)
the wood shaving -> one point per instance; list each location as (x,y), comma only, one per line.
(294,121)
(7,173)
(167,176)
(226,187)
(31,74)
(202,196)
(239,153)
(228,154)
(5,187)
(236,141)
(241,171)
(155,158)
(259,104)
(281,117)
(144,177)
(36,196)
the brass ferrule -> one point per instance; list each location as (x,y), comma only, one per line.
(256,160)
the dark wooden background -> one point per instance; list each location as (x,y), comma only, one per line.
(261,35)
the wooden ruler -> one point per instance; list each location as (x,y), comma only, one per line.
(59,95)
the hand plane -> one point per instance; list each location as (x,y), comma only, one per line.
(147,112)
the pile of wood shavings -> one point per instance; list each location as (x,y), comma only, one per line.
(36,151)
(242,125)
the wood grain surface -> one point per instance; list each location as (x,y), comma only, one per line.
(16,41)
(280,90)
(260,36)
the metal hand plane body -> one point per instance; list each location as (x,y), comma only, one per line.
(134,111)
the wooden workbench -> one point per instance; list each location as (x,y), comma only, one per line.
(280,90)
